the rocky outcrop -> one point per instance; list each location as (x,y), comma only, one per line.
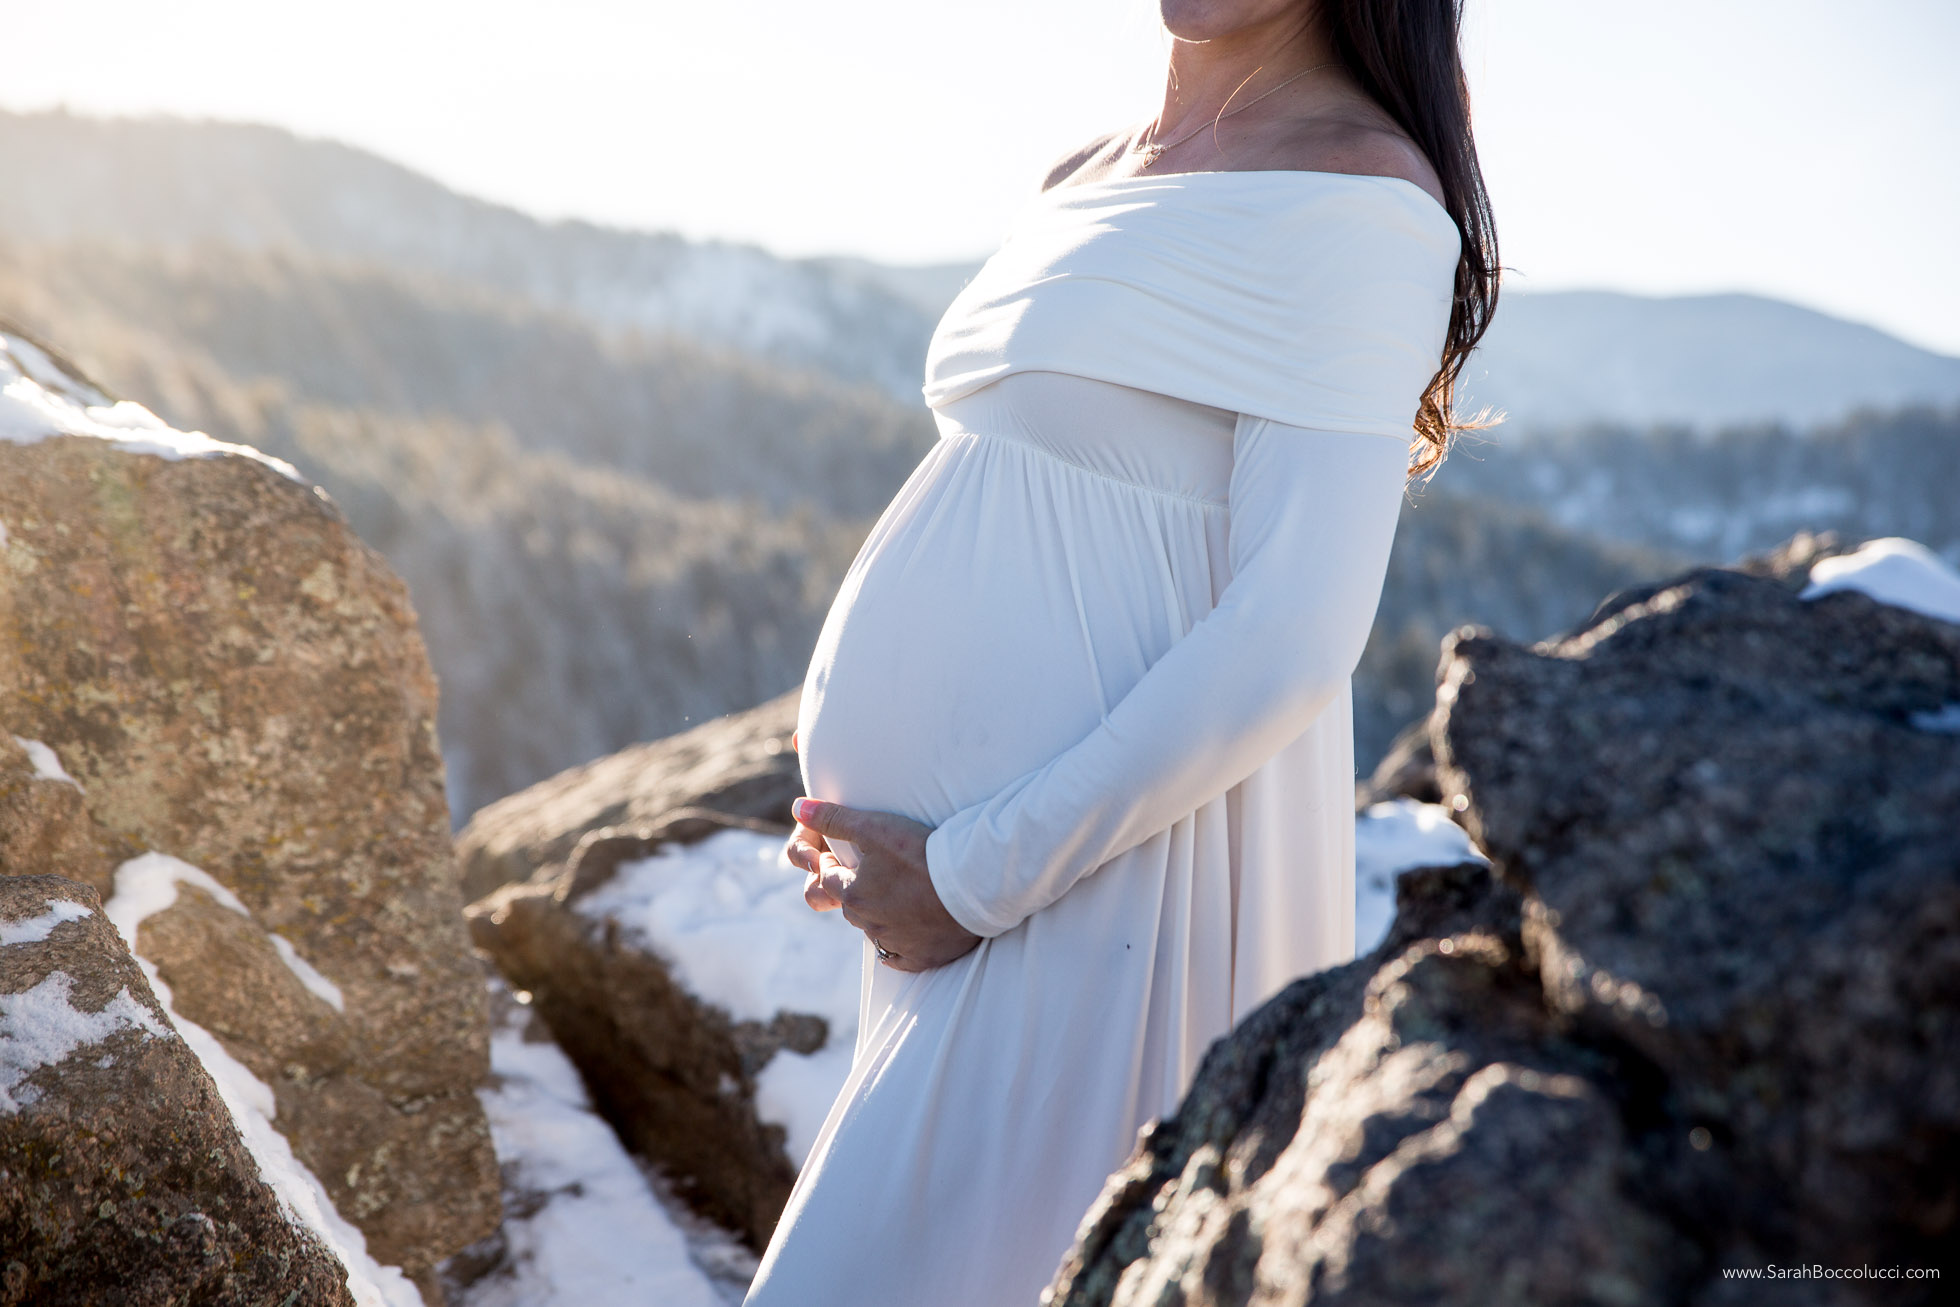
(674,1072)
(741,765)
(226,674)
(122,1178)
(1706,1016)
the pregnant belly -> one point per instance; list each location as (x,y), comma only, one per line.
(1003,603)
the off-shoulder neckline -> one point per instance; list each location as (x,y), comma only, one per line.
(1317,174)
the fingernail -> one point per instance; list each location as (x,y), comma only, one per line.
(802,809)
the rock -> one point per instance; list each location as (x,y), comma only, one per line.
(741,765)
(1704,1017)
(122,1178)
(1744,864)
(674,1073)
(45,827)
(230,676)
(1407,1128)
(1406,771)
(1791,561)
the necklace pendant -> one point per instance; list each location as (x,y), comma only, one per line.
(1152,153)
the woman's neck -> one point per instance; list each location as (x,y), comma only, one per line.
(1209,77)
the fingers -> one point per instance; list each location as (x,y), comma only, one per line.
(817,896)
(805,849)
(834,881)
(829,819)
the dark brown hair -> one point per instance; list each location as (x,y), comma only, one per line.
(1405,55)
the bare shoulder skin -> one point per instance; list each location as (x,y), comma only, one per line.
(1101,150)
(1367,143)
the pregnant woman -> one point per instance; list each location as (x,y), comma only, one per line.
(1077,732)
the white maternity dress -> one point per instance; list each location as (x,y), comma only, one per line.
(1101,641)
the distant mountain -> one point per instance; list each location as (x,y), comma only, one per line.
(1560,359)
(1551,360)
(175,184)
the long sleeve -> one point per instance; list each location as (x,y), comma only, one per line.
(1312,518)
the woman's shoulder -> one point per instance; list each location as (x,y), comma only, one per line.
(1098,150)
(1345,145)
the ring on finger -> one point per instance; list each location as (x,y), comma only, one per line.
(884,954)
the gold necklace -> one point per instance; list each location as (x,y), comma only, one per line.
(1152,151)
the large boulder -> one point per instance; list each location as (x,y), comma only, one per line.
(1706,1017)
(122,1177)
(226,674)
(741,764)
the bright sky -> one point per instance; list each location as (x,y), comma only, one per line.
(1808,149)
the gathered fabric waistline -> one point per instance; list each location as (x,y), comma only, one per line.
(1127,483)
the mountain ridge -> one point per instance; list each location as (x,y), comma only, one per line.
(176,183)
(1553,359)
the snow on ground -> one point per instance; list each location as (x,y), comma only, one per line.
(1390,838)
(727,915)
(584,1225)
(1892,570)
(47,767)
(38,399)
(147,885)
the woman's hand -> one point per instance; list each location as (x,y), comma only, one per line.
(888,895)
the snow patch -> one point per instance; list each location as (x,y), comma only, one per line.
(33,930)
(147,885)
(47,767)
(38,400)
(40,1027)
(727,916)
(795,1091)
(594,1233)
(1892,570)
(308,975)
(1391,838)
